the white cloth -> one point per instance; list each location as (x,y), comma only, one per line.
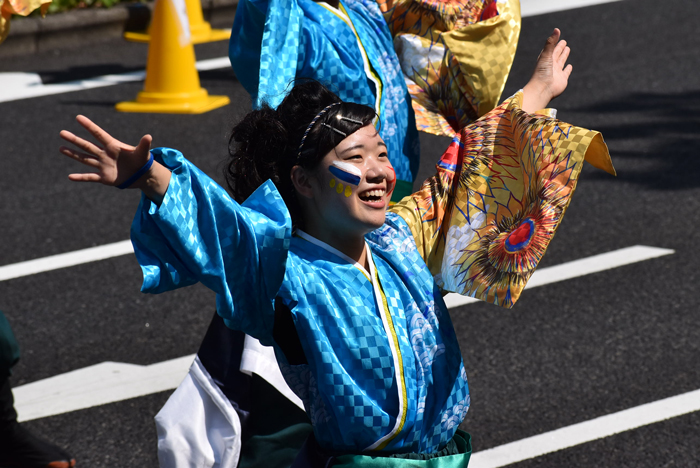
(261,360)
(198,426)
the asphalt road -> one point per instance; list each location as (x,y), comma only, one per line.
(568,352)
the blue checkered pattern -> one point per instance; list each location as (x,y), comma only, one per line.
(300,38)
(280,40)
(437,372)
(182,241)
(248,256)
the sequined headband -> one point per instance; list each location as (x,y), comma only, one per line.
(308,129)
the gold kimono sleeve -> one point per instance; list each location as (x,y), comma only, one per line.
(485,220)
(455,56)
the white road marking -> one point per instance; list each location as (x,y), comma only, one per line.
(541,7)
(598,428)
(96,385)
(585,266)
(32,87)
(40,265)
(213,64)
(17,85)
(110,382)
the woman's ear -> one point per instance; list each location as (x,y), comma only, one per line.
(302,182)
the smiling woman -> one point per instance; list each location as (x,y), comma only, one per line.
(341,217)
(309,258)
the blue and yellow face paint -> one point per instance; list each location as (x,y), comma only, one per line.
(346,175)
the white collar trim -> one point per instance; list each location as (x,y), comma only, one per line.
(334,251)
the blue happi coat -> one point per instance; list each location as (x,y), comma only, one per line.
(384,367)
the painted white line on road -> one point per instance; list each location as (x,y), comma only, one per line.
(30,85)
(604,426)
(96,385)
(17,85)
(585,266)
(213,64)
(541,7)
(69,259)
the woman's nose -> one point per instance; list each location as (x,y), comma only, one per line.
(377,171)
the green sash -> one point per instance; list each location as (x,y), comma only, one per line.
(459,460)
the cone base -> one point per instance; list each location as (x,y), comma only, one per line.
(172,105)
(199,35)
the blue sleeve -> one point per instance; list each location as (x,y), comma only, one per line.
(245,46)
(264,47)
(200,234)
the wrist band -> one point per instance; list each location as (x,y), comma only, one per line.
(139,173)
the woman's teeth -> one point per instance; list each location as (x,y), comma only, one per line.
(373,194)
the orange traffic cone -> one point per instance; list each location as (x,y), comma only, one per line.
(172,82)
(200,30)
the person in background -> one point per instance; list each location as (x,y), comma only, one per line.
(19,448)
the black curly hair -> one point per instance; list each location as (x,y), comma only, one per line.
(265,144)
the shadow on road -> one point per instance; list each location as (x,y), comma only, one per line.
(84,72)
(654,139)
(93,71)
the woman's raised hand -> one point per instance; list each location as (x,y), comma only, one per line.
(551,75)
(114,162)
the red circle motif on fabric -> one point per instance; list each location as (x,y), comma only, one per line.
(521,236)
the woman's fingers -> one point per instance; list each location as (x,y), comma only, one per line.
(144,145)
(102,136)
(81,143)
(85,177)
(86,159)
(567,71)
(563,57)
(114,161)
(552,41)
(83,158)
(559,49)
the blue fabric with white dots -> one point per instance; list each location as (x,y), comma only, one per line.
(247,254)
(275,41)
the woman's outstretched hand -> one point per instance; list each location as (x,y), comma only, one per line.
(115,162)
(551,75)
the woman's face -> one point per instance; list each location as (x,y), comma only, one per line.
(352,185)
